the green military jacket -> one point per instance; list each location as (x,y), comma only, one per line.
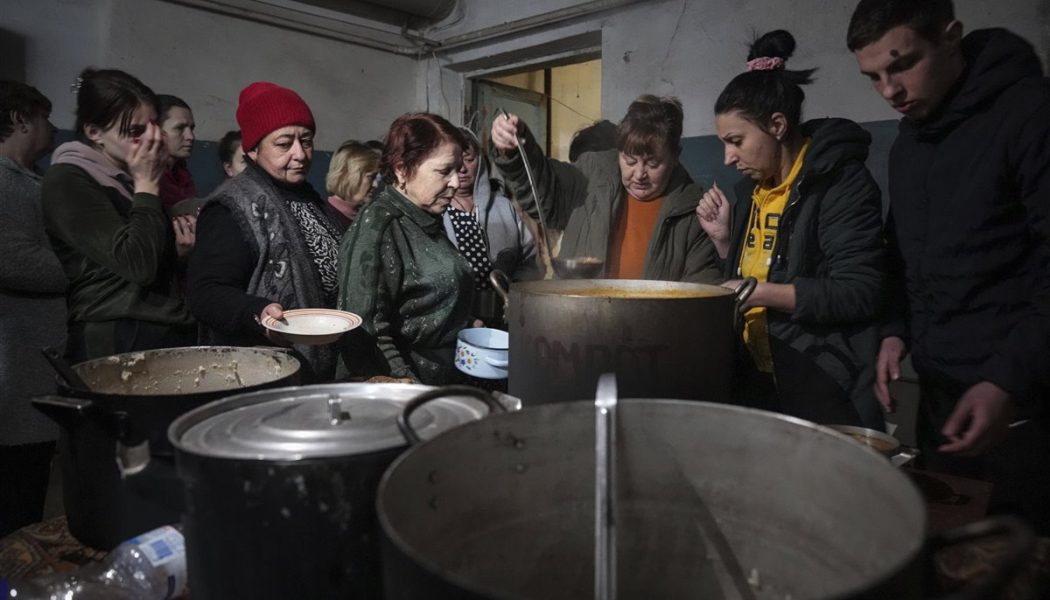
(412,287)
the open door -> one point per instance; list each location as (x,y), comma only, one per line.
(489,96)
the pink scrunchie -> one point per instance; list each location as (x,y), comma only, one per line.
(765,63)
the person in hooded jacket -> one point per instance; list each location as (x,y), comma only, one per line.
(484,226)
(807,223)
(969,226)
(631,208)
(102,211)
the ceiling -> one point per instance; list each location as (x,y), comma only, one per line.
(396,26)
(413,14)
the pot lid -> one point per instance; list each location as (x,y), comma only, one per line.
(316,421)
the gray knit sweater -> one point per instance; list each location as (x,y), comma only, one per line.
(32,308)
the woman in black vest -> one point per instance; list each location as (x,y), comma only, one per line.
(264,243)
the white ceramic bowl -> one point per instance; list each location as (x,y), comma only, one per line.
(313,326)
(482,352)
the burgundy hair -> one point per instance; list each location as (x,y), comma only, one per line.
(412,138)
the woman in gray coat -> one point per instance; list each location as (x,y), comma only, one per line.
(485,226)
(32,304)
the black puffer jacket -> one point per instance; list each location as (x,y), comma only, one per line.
(830,247)
(970,196)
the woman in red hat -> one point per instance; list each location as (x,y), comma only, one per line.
(264,243)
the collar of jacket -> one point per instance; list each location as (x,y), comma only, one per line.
(996,59)
(429,223)
(301,192)
(11,165)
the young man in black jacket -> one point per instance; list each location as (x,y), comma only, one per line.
(969,189)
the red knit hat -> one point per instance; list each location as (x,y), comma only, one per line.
(264,107)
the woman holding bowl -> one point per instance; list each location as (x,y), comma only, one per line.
(397,268)
(264,243)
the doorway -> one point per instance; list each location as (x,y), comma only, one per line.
(555,102)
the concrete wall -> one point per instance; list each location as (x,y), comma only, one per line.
(207,58)
(691,49)
(700,46)
(684,47)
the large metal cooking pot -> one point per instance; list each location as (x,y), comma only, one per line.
(662,339)
(112,433)
(280,485)
(711,501)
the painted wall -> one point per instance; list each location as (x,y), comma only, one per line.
(683,47)
(578,92)
(206,59)
(691,49)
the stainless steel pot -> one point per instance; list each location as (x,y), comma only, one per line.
(712,501)
(662,339)
(114,431)
(280,485)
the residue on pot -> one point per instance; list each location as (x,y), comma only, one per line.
(200,371)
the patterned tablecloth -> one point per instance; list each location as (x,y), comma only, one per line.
(43,548)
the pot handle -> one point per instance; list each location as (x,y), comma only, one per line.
(501,284)
(65,370)
(449,390)
(1019,544)
(742,293)
(904,455)
(63,410)
(69,412)
(499,364)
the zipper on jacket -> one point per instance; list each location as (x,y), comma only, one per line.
(778,254)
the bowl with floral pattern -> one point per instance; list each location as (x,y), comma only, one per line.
(482,352)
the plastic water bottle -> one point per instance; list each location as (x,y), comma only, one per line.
(151,566)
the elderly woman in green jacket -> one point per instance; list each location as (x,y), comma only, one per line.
(397,268)
(631,207)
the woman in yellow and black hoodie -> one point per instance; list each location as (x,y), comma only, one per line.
(807,224)
(104,217)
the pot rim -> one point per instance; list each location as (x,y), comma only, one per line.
(905,556)
(849,431)
(460,338)
(563,288)
(186,421)
(294,368)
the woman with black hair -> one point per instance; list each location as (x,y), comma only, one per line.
(231,155)
(807,223)
(103,212)
(33,305)
(175,119)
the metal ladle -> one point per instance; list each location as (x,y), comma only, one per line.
(578,267)
(528,173)
(605,488)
